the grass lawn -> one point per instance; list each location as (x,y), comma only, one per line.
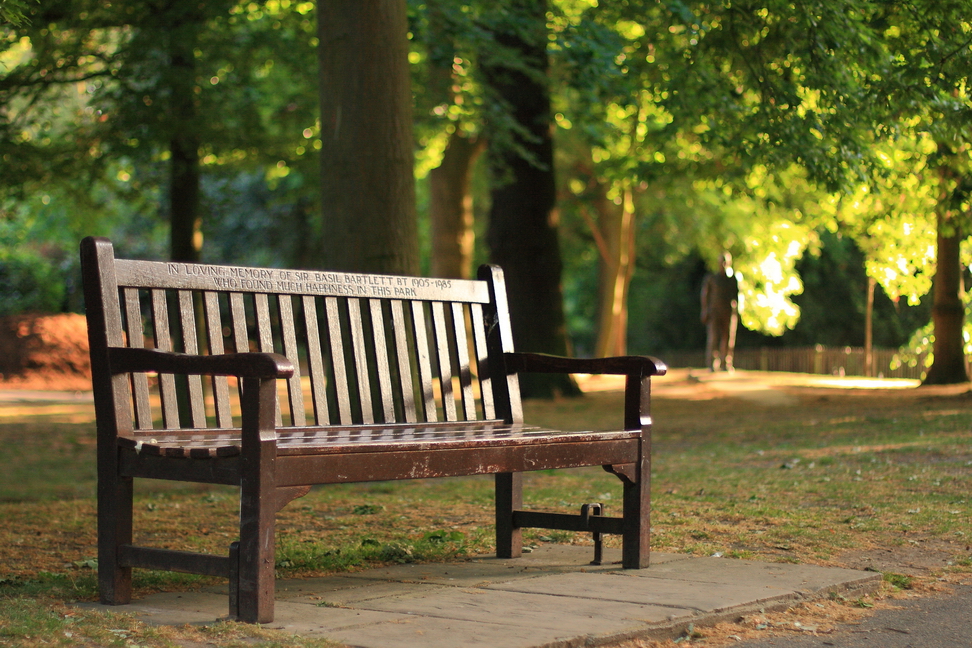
(747,466)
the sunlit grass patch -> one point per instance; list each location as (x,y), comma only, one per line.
(798,484)
(29,622)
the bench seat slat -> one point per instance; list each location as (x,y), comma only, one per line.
(364,438)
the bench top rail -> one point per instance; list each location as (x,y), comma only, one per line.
(368,349)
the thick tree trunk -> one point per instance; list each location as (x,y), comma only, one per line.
(522,233)
(184,213)
(186,223)
(948,310)
(367,182)
(451,207)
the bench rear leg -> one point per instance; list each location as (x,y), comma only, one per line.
(114,530)
(509,498)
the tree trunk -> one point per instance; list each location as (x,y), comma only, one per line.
(522,232)
(451,207)
(948,311)
(367,181)
(450,199)
(617,229)
(869,329)
(185,220)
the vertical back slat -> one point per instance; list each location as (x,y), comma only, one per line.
(214,329)
(265,332)
(482,360)
(360,360)
(462,355)
(445,361)
(381,360)
(190,342)
(499,339)
(424,362)
(163,342)
(404,363)
(295,392)
(315,361)
(241,341)
(337,359)
(140,387)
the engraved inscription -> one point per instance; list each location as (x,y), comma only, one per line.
(306,281)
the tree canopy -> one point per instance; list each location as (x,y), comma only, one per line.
(679,130)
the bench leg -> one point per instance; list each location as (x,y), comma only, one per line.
(255,575)
(635,552)
(509,498)
(114,530)
(257,550)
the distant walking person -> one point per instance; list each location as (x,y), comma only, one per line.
(720,313)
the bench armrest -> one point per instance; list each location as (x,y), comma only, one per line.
(625,365)
(244,365)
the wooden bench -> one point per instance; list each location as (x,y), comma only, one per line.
(380,378)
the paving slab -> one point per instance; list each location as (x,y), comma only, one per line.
(549,598)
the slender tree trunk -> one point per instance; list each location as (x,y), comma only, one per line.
(184,211)
(869,329)
(617,230)
(948,310)
(523,221)
(367,181)
(450,200)
(451,207)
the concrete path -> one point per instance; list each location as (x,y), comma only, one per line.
(548,598)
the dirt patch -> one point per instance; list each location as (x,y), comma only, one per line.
(922,557)
(44,352)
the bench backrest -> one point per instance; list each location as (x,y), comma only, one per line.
(368,348)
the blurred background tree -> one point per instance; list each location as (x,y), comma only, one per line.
(628,144)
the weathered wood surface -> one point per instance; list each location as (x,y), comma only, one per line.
(275,380)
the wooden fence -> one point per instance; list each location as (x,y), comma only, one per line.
(833,361)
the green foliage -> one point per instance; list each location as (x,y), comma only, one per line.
(740,127)
(768,122)
(32,270)
(87,110)
(12,11)
(29,283)
(834,299)
(677,326)
(898,581)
